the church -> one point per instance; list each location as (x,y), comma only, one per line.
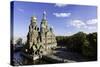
(43,34)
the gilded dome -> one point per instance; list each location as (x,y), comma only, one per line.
(34,18)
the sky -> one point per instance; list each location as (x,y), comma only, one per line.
(66,19)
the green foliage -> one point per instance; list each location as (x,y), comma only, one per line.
(19,41)
(78,40)
(85,44)
(60,40)
(91,50)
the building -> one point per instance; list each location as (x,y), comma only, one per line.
(42,34)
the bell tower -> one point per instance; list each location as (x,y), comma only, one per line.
(44,23)
(33,32)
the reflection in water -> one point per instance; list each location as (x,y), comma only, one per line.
(20,60)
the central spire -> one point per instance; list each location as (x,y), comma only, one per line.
(44,15)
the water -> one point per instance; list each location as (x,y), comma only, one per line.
(20,60)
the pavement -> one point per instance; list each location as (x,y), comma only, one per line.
(61,53)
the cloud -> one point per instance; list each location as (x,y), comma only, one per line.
(92,24)
(62,14)
(91,27)
(60,5)
(92,21)
(89,24)
(78,23)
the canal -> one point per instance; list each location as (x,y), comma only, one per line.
(20,60)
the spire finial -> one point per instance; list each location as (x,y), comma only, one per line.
(44,15)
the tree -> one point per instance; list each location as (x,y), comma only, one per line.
(76,41)
(85,44)
(92,47)
(85,48)
(19,41)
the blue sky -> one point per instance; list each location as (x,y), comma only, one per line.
(66,19)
